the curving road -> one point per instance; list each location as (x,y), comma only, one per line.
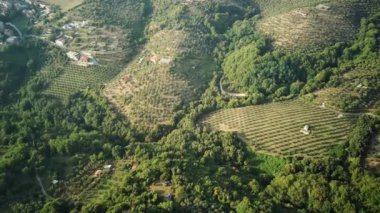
(15,28)
(225,93)
(42,186)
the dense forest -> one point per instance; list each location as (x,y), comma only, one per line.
(51,147)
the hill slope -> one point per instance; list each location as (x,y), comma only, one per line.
(313,24)
(275,128)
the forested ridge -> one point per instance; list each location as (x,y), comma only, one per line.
(184,166)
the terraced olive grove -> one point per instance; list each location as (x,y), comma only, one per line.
(275,128)
(155,83)
(312,25)
(74,78)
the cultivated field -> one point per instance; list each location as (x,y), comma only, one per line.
(356,83)
(150,89)
(65,4)
(275,128)
(74,78)
(312,24)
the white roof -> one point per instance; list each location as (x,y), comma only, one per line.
(72,53)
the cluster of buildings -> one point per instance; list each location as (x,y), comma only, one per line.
(29,8)
(82,58)
(9,33)
(6,7)
(75,25)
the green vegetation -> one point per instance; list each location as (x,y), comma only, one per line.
(16,65)
(278,73)
(93,139)
(130,14)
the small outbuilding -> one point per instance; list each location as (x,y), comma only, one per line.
(135,165)
(98,173)
(323,7)
(155,58)
(60,42)
(73,55)
(109,166)
(12,40)
(306,130)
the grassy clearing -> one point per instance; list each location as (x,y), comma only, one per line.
(268,164)
(65,4)
(303,25)
(161,189)
(275,128)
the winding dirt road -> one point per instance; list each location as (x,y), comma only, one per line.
(225,93)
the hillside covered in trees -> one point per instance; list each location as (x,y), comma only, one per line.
(190,106)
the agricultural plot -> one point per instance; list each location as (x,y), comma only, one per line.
(274,7)
(150,89)
(103,183)
(276,128)
(78,182)
(74,78)
(65,5)
(362,82)
(106,43)
(313,25)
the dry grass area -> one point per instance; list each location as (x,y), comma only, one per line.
(161,189)
(147,91)
(328,96)
(359,80)
(311,25)
(307,28)
(65,4)
(275,128)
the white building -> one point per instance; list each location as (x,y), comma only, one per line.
(306,130)
(60,42)
(73,55)
(12,40)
